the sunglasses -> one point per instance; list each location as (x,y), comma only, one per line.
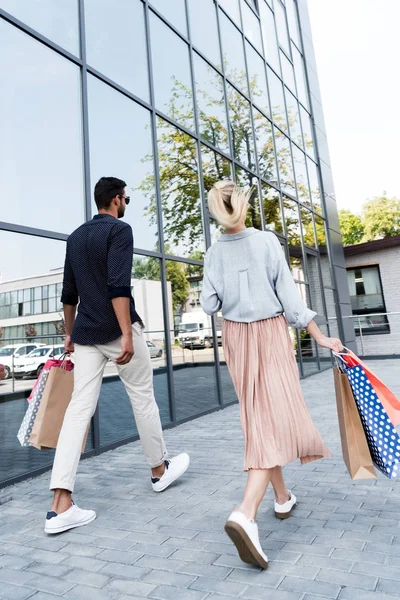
(126,198)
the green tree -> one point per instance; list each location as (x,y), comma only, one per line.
(177,273)
(351,227)
(381,218)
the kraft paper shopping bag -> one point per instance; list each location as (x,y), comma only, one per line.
(356,453)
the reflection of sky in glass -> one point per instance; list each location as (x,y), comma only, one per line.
(232,8)
(233,53)
(122,59)
(265,147)
(58,20)
(41,166)
(277,99)
(269,36)
(171,73)
(210,104)
(203,29)
(257,77)
(174,11)
(280,17)
(27,256)
(294,118)
(251,26)
(121,146)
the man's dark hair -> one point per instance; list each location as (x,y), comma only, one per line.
(106,189)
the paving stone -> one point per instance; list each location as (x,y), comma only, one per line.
(80,550)
(52,585)
(296,584)
(322,562)
(83,577)
(259,593)
(46,569)
(122,571)
(208,584)
(137,588)
(15,562)
(349,593)
(84,592)
(169,578)
(15,577)
(367,557)
(14,592)
(365,582)
(214,570)
(128,557)
(169,592)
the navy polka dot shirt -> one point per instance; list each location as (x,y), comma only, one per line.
(98,267)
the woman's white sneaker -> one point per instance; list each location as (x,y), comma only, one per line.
(71,518)
(244,534)
(174,468)
(283,511)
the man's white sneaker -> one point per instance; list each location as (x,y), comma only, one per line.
(283,511)
(174,468)
(71,518)
(244,534)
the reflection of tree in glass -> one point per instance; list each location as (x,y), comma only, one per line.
(272,208)
(177,273)
(178,160)
(292,223)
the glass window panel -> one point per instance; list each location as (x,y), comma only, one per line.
(248,181)
(204,30)
(288,73)
(180,192)
(269,36)
(314,282)
(57,21)
(232,8)
(210,100)
(314,186)
(52,291)
(292,223)
(281,25)
(291,14)
(285,165)
(171,73)
(251,26)
(272,208)
(293,118)
(241,127)
(300,76)
(233,53)
(308,227)
(125,60)
(26,262)
(296,263)
(174,11)
(303,191)
(191,342)
(265,147)
(307,132)
(117,122)
(215,167)
(41,139)
(277,100)
(323,250)
(257,79)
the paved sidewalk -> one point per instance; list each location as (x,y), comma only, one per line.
(343,542)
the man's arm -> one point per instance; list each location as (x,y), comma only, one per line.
(69,298)
(120,258)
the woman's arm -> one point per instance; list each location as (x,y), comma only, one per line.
(209,300)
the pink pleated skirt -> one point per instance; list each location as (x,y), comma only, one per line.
(275,420)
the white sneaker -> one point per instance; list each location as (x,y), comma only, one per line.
(283,511)
(244,534)
(174,468)
(71,518)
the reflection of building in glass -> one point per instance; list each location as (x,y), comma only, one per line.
(233,95)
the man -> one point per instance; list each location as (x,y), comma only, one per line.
(97,274)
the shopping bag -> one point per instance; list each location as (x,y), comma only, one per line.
(355,450)
(63,362)
(26,427)
(383,439)
(389,400)
(56,398)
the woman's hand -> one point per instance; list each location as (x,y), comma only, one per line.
(331,343)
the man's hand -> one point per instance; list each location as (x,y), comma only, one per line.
(69,344)
(127,350)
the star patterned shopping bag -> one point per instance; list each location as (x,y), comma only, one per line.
(29,419)
(383,439)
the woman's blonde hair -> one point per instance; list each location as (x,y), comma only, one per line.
(228,203)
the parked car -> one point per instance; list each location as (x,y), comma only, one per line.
(10,354)
(2,372)
(33,363)
(155,351)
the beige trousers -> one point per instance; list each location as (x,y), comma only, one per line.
(137,377)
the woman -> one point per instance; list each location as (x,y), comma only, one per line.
(246,275)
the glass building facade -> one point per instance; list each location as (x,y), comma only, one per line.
(171,96)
